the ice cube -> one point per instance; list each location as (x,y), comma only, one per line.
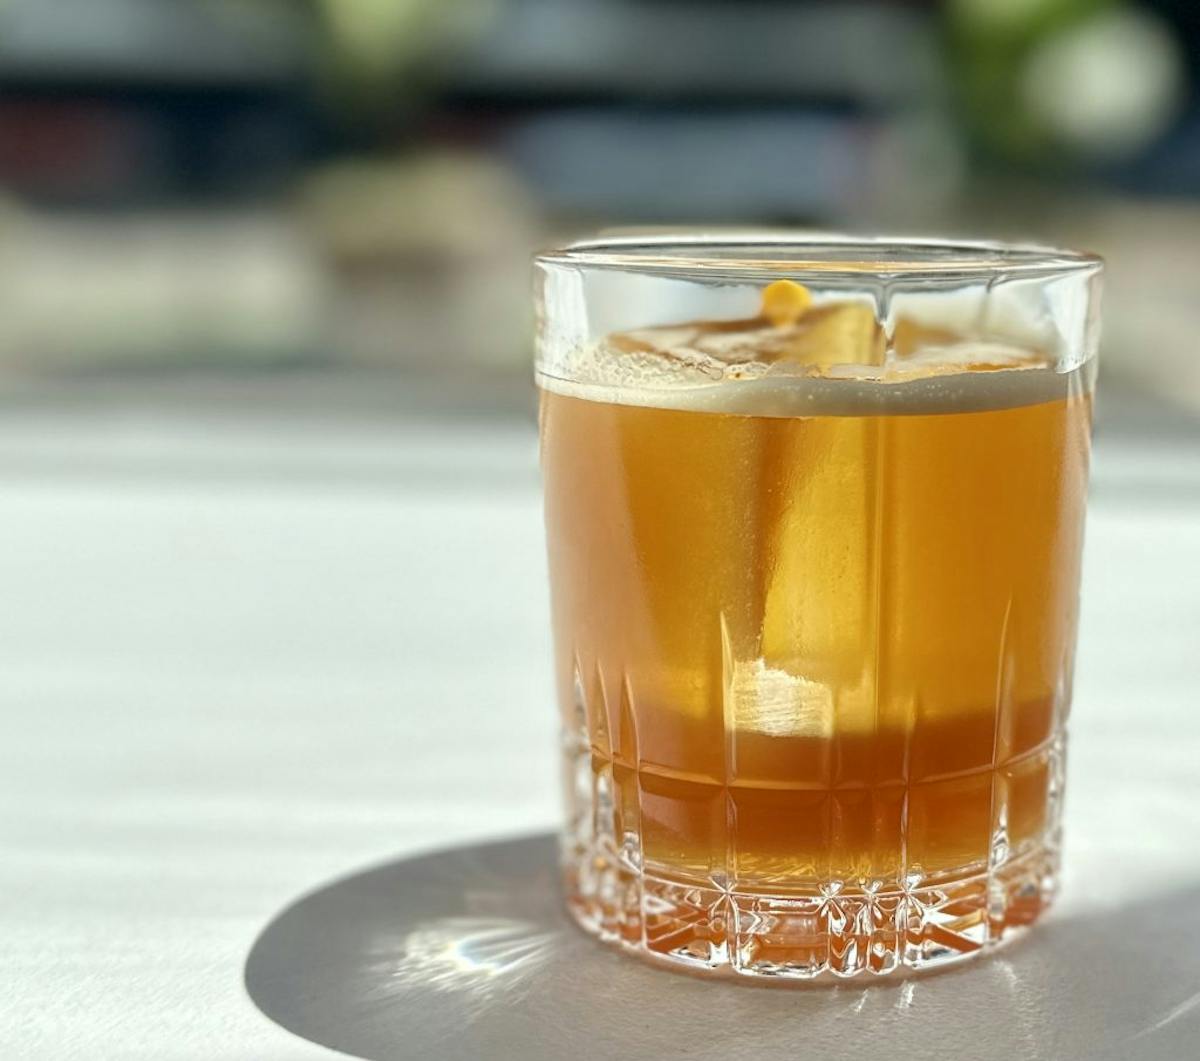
(909,337)
(961,355)
(841,333)
(649,357)
(754,342)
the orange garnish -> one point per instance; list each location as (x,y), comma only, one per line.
(784,302)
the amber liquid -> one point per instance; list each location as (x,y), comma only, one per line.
(817,648)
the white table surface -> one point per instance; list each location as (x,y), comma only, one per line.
(242,657)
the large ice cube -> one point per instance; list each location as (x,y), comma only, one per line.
(960,355)
(842,333)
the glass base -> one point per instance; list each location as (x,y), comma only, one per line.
(831,931)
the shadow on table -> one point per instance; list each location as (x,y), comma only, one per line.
(466,954)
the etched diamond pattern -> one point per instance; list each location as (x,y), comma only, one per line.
(626,885)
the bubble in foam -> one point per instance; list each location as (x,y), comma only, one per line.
(614,364)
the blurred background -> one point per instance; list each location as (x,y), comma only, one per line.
(307,193)
(270,528)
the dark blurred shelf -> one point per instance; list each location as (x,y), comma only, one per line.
(163,42)
(861,51)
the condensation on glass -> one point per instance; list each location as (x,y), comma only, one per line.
(814,511)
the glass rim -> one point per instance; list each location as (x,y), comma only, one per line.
(772,254)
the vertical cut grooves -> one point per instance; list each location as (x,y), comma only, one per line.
(729,722)
(598,715)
